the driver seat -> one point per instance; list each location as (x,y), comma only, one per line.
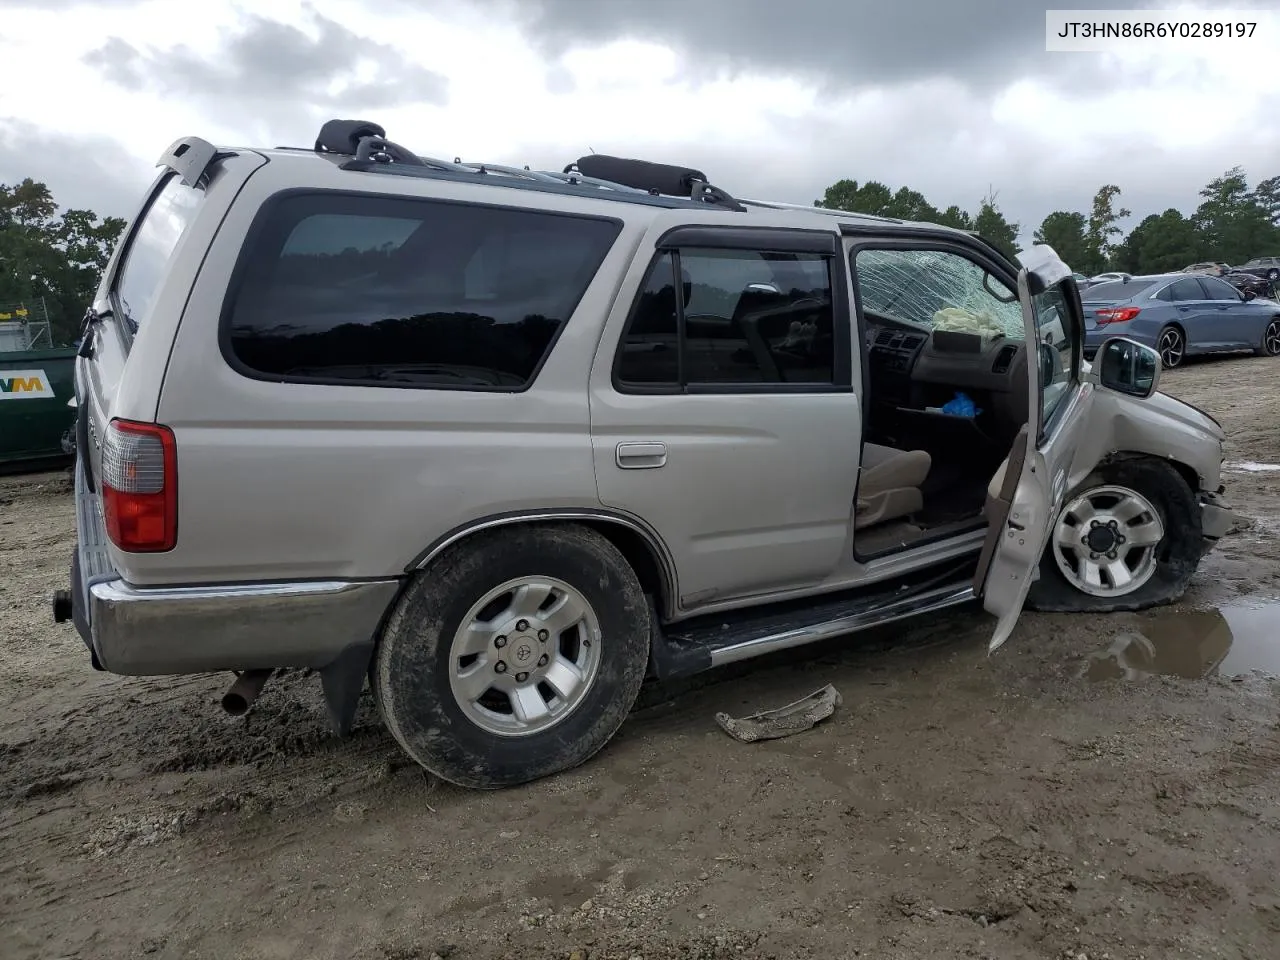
(889,487)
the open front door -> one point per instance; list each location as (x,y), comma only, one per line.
(1028,494)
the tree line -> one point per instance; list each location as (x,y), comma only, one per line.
(58,257)
(52,257)
(1232,223)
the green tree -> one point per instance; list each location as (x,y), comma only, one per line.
(1267,195)
(1064,231)
(994,228)
(1159,244)
(1235,222)
(953,216)
(1102,230)
(879,200)
(57,257)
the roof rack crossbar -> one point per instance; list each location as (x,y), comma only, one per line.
(658,179)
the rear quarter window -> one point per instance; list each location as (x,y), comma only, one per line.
(171,211)
(1114,290)
(406,292)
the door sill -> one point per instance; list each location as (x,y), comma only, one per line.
(946,531)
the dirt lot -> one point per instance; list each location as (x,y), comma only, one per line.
(955,805)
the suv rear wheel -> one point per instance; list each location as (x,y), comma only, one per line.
(515,656)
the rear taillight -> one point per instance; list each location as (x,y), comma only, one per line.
(1116,315)
(140,486)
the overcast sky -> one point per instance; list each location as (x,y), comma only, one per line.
(772,98)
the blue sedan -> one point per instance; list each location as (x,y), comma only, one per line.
(1180,315)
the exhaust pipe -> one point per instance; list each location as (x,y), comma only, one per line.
(61,606)
(241,695)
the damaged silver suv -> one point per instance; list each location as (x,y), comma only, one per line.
(503,443)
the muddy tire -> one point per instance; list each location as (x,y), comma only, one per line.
(516,655)
(1149,498)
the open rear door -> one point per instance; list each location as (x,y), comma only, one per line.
(1029,493)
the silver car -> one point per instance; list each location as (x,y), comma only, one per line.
(504,443)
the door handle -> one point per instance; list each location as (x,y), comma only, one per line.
(641,454)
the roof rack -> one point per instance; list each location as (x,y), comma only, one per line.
(367,147)
(824,211)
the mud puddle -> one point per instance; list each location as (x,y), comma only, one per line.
(1230,641)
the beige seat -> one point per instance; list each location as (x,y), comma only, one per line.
(890,484)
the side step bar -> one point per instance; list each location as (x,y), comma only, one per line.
(713,641)
(938,599)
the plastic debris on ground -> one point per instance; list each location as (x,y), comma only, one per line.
(795,717)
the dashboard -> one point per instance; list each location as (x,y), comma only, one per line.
(912,368)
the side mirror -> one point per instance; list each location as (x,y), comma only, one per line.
(1127,367)
(1248,295)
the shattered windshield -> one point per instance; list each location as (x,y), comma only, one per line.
(939,290)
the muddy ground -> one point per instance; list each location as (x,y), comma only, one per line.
(1033,804)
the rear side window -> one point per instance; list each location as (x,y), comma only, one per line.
(1114,290)
(170,213)
(1219,289)
(403,292)
(1188,289)
(737,317)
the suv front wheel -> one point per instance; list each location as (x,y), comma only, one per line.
(515,656)
(1128,538)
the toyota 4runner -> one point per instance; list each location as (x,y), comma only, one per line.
(504,442)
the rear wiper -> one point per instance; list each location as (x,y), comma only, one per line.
(94,314)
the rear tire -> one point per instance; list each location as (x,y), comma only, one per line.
(516,655)
(1172,347)
(1173,558)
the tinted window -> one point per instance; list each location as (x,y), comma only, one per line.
(649,352)
(757,317)
(749,317)
(410,292)
(1219,290)
(1188,289)
(167,218)
(1114,290)
(937,289)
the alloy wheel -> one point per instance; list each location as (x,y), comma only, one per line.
(1271,339)
(1171,348)
(525,656)
(1105,541)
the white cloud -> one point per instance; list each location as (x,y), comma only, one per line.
(1157,126)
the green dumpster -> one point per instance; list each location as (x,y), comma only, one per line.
(35,388)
